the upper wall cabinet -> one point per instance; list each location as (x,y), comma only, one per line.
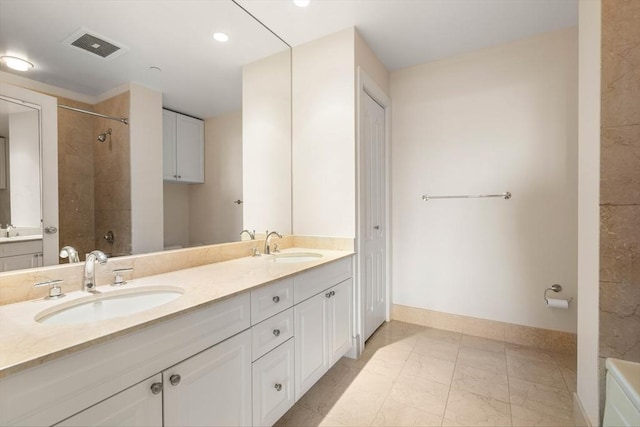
(183,147)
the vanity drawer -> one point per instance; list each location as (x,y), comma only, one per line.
(271,333)
(316,280)
(271,299)
(273,385)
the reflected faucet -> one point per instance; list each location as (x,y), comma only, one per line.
(89,280)
(252,234)
(267,249)
(70,251)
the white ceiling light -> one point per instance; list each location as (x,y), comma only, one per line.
(301,3)
(221,37)
(16,63)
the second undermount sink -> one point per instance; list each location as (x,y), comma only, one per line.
(292,257)
(108,305)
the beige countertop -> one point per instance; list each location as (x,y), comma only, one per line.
(21,238)
(25,343)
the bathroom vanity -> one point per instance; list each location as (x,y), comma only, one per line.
(247,338)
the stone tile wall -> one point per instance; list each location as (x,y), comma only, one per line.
(112,175)
(620,183)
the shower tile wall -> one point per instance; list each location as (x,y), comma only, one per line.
(76,138)
(620,182)
(112,174)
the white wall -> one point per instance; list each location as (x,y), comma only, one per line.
(323,151)
(213,215)
(266,144)
(588,207)
(24,159)
(145,122)
(176,215)
(496,120)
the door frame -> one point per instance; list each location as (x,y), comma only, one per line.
(366,85)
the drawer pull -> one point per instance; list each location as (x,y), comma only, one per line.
(174,379)
(278,386)
(330,294)
(156,388)
(276,299)
(276,332)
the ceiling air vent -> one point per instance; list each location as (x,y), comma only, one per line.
(95,44)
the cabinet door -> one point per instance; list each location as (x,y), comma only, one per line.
(213,388)
(310,325)
(169,172)
(20,262)
(135,406)
(273,392)
(190,143)
(339,320)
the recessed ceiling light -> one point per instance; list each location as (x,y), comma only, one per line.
(16,63)
(221,37)
(301,3)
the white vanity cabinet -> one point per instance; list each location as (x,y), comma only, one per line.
(183,148)
(212,388)
(20,255)
(138,405)
(323,333)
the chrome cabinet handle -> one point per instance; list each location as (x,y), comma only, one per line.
(156,388)
(238,202)
(276,299)
(278,386)
(276,332)
(377,227)
(174,379)
(327,295)
(50,230)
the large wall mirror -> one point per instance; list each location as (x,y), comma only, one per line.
(239,90)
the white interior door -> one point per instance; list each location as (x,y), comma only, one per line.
(373,195)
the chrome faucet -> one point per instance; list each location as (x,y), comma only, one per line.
(89,281)
(267,249)
(70,251)
(252,234)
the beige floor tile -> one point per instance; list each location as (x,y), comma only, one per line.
(570,378)
(299,416)
(430,368)
(482,359)
(530,353)
(394,413)
(442,335)
(565,360)
(420,393)
(450,423)
(369,383)
(356,408)
(388,368)
(330,422)
(535,371)
(471,409)
(437,348)
(527,418)
(539,398)
(483,343)
(481,381)
(321,397)
(401,342)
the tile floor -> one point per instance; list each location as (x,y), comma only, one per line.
(410,375)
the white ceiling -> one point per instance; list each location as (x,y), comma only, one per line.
(203,78)
(403,33)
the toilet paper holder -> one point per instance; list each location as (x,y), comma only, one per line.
(555,288)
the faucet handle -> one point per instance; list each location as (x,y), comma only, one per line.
(275,249)
(117,273)
(55,291)
(255,251)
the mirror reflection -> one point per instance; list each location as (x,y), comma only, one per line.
(208,135)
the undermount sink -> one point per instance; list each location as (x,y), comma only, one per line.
(108,305)
(289,258)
